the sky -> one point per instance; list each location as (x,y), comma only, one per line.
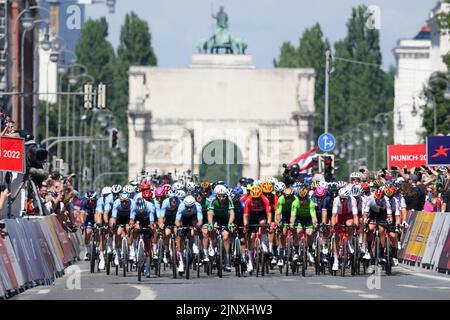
(176,25)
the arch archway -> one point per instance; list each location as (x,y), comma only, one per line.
(221,160)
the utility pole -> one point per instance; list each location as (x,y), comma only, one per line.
(327,87)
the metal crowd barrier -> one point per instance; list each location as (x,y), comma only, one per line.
(35,252)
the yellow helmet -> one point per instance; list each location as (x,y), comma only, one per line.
(255,192)
(266,187)
(302,192)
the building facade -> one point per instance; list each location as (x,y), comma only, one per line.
(417,59)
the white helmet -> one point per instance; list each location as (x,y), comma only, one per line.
(173,193)
(128,188)
(220,190)
(189,201)
(124,196)
(116,188)
(356,175)
(181,194)
(106,191)
(318,177)
(272,180)
(344,192)
(323,184)
(356,190)
(177,185)
(279,186)
(190,186)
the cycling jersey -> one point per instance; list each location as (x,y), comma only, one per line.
(89,211)
(257,210)
(285,207)
(371,205)
(123,214)
(221,210)
(304,209)
(238,212)
(187,216)
(273,200)
(327,205)
(345,210)
(100,207)
(169,211)
(148,215)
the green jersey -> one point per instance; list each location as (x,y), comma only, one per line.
(221,211)
(304,210)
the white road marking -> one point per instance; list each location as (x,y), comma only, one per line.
(407,286)
(315,282)
(43,291)
(418,274)
(354,291)
(442,288)
(99,290)
(333,286)
(369,296)
(145,292)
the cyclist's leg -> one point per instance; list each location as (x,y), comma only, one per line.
(205,242)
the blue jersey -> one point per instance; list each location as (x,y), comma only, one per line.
(148,213)
(167,209)
(184,213)
(87,208)
(128,211)
(157,208)
(100,204)
(109,202)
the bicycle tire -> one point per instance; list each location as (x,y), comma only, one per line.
(124,256)
(304,258)
(388,256)
(108,263)
(317,255)
(377,248)
(160,257)
(141,258)
(93,253)
(289,261)
(355,268)
(187,253)
(256,255)
(220,258)
(237,257)
(198,260)
(174,257)
(344,258)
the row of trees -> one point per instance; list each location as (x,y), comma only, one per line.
(94,51)
(357,91)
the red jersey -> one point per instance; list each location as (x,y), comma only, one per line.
(273,199)
(257,207)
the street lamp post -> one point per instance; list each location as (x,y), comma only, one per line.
(327,87)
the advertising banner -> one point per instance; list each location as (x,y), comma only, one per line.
(424,232)
(409,155)
(413,245)
(433,238)
(404,242)
(438,150)
(7,270)
(441,241)
(12,154)
(444,260)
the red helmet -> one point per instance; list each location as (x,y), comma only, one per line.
(147,194)
(145,185)
(378,194)
(365,186)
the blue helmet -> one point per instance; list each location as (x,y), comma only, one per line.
(237,190)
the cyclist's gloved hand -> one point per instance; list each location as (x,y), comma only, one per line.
(230,226)
(405,224)
(210,226)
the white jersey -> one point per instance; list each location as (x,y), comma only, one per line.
(351,203)
(395,205)
(371,205)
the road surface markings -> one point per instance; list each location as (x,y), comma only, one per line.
(333,286)
(315,282)
(145,293)
(370,296)
(354,291)
(407,286)
(418,274)
(43,291)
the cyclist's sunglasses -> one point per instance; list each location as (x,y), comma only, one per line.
(124,201)
(221,196)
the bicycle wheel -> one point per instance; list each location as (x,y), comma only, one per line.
(220,258)
(124,256)
(289,255)
(93,253)
(187,254)
(344,258)
(141,259)
(237,256)
(355,258)
(377,248)
(304,257)
(108,263)
(388,256)
(197,258)
(317,252)
(173,245)
(257,254)
(159,248)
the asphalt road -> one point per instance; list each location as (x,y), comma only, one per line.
(404,283)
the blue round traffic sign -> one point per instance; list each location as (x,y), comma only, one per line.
(326,142)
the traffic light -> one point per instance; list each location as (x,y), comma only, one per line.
(114,139)
(88,96)
(101,96)
(328,162)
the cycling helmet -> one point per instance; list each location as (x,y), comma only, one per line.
(279,186)
(390,191)
(124,196)
(320,192)
(167,188)
(295,166)
(378,194)
(106,191)
(117,188)
(173,193)
(147,194)
(220,190)
(266,187)
(237,191)
(198,189)
(342,184)
(141,205)
(288,192)
(205,185)
(145,185)
(323,184)
(129,188)
(344,193)
(365,187)
(159,192)
(303,193)
(257,183)
(135,185)
(356,175)
(255,192)
(243,181)
(91,195)
(181,194)
(356,190)
(250,181)
(189,201)
(272,180)
(314,185)
(177,185)
(190,186)
(308,180)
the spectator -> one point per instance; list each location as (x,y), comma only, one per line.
(419,190)
(432,200)
(2,119)
(446,193)
(3,199)
(9,130)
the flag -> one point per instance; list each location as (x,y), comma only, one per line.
(305,160)
(438,150)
